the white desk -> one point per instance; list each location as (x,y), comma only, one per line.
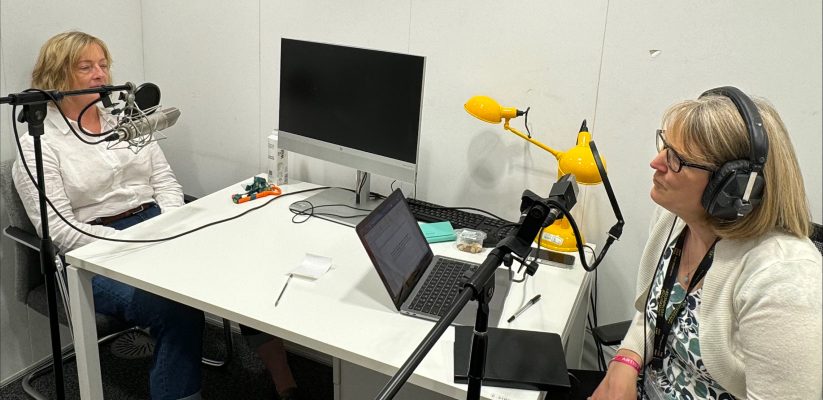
(236,269)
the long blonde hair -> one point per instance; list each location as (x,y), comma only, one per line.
(57,58)
(713,132)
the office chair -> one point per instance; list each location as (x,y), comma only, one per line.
(817,236)
(30,284)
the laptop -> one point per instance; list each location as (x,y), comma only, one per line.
(410,271)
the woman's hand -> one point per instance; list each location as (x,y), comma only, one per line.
(620,382)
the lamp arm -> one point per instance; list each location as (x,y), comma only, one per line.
(555,153)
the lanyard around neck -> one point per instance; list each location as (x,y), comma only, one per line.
(664,325)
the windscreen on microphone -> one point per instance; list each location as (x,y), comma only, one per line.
(147,97)
(135,127)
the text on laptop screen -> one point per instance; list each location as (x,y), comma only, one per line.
(396,244)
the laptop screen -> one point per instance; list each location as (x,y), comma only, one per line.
(396,245)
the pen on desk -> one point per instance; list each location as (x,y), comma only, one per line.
(531,302)
(285,285)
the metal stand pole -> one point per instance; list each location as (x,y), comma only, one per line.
(34,115)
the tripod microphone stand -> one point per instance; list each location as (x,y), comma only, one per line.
(536,213)
(34,114)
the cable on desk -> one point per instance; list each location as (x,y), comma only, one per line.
(309,212)
(191,230)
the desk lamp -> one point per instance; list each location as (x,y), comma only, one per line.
(578,161)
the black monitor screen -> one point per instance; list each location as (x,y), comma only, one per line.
(362,99)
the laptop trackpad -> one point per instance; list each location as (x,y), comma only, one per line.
(501,290)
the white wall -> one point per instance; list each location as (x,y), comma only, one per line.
(218,62)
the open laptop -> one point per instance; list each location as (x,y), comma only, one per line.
(408,268)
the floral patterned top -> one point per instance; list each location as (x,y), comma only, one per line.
(683,375)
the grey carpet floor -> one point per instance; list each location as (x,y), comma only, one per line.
(244,378)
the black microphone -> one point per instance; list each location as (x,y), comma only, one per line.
(537,212)
(133,128)
(541,212)
(563,192)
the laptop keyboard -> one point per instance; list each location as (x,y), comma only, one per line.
(441,287)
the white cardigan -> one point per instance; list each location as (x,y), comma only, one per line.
(760,313)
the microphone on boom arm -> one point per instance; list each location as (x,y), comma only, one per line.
(137,131)
(142,118)
(537,213)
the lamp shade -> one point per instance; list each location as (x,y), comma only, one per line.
(579,161)
(487,109)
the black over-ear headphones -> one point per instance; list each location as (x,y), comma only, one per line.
(737,186)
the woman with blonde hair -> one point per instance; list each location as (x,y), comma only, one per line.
(729,285)
(101,190)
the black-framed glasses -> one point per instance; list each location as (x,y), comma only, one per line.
(673,160)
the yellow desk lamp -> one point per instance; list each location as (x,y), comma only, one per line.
(578,160)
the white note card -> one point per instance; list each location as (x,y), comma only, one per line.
(313,266)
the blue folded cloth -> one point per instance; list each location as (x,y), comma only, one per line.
(437,231)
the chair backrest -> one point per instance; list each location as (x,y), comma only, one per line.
(29,281)
(817,236)
(26,261)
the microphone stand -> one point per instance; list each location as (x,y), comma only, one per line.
(536,213)
(34,113)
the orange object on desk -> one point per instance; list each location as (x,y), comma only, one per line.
(274,192)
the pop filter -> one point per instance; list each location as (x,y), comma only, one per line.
(147,96)
(146,99)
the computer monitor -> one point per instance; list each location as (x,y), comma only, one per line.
(353,107)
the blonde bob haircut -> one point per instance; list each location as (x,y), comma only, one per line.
(58,58)
(712,131)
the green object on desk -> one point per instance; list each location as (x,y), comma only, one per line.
(436,232)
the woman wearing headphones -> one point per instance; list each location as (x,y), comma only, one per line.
(728,260)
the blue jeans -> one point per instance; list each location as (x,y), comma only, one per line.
(177,329)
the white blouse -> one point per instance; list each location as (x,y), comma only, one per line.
(85,182)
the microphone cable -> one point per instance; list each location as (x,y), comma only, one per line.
(616,230)
(62,114)
(80,119)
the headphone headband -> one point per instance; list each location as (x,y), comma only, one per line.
(754,123)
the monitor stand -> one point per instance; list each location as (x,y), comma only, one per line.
(339,205)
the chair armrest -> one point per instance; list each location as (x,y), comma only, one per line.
(25,238)
(612,334)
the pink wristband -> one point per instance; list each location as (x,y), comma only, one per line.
(628,361)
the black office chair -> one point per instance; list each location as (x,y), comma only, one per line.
(817,236)
(30,283)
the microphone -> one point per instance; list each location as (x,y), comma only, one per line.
(537,212)
(131,129)
(564,193)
